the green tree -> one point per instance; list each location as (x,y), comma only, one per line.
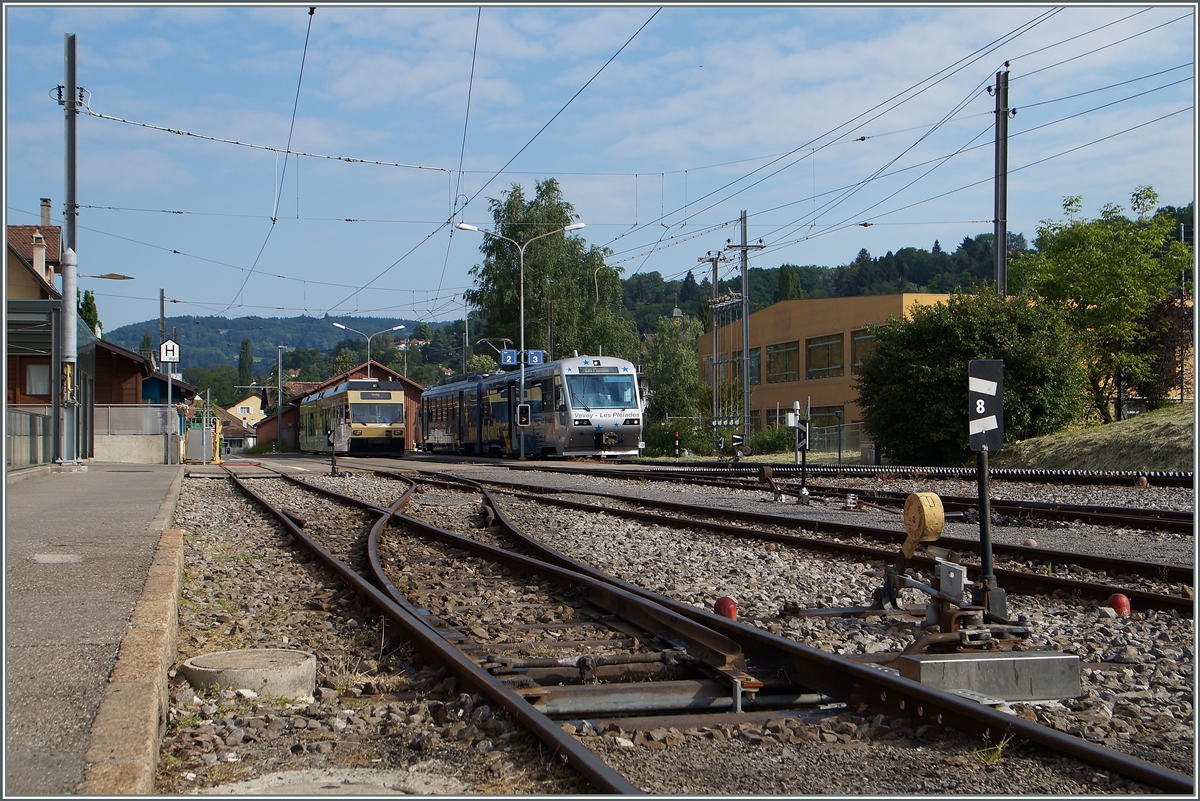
(789,284)
(913,386)
(146,348)
(671,372)
(245,365)
(562,277)
(88,312)
(344,362)
(481,364)
(1105,276)
(219,381)
(422,332)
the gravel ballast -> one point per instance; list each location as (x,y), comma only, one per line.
(379,707)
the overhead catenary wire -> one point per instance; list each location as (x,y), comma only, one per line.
(449,221)
(279,189)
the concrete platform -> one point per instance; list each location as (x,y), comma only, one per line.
(92,572)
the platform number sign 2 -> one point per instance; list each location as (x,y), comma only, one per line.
(986,398)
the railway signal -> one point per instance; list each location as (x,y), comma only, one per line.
(738,439)
(522,414)
(985,382)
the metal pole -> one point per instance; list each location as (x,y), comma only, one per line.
(715,326)
(170,420)
(520,433)
(279,401)
(745,333)
(71,209)
(69,263)
(1001,227)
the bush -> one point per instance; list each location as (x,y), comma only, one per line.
(773,439)
(660,439)
(913,386)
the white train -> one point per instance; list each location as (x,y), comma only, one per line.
(580,406)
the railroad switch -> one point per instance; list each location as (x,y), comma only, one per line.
(962,623)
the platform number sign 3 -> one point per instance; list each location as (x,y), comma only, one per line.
(986,398)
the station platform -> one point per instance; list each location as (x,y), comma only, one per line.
(92,572)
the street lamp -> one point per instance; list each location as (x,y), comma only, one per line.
(369,337)
(521,250)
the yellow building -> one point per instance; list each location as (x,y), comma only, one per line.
(802,350)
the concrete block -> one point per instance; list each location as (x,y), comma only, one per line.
(1009,676)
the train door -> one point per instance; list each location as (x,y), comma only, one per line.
(459,427)
(562,417)
(514,392)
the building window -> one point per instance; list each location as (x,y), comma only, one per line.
(783,362)
(755,365)
(824,356)
(823,416)
(243,410)
(37,379)
(862,345)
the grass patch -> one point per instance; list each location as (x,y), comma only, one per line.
(1160,440)
(991,754)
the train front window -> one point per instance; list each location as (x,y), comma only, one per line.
(386,413)
(602,391)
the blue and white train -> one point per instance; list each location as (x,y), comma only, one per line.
(581,406)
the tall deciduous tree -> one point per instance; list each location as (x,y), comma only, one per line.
(245,365)
(913,386)
(671,378)
(1106,275)
(563,278)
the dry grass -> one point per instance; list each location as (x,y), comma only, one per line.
(1158,440)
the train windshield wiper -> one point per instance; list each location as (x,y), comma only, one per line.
(579,400)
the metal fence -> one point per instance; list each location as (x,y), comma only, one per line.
(30,441)
(827,439)
(132,419)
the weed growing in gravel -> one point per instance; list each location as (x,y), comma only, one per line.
(991,754)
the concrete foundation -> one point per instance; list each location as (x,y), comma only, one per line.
(1005,676)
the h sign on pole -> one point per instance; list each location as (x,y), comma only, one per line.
(986,398)
(168,352)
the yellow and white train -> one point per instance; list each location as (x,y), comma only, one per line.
(362,417)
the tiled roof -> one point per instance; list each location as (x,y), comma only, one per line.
(21,239)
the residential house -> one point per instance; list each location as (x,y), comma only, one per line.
(249,410)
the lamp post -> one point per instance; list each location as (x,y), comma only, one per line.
(369,337)
(521,250)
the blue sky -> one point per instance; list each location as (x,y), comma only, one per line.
(705,112)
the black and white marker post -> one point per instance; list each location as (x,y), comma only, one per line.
(986,397)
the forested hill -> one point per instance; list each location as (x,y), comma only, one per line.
(209,341)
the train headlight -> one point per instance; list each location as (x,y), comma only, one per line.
(632,421)
(358,432)
(580,423)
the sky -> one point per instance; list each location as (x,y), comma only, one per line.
(355,139)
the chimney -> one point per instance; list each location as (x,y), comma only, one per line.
(45,212)
(39,257)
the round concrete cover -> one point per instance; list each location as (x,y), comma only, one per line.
(270,672)
(423,779)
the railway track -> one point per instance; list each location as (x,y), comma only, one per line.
(740,478)
(1117,477)
(1163,586)
(769,657)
